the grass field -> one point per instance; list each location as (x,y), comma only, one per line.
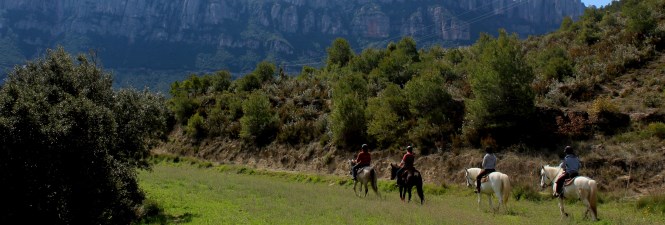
(191,194)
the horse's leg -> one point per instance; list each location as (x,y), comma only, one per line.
(585,198)
(354,188)
(489,199)
(366,189)
(408,189)
(498,195)
(419,188)
(563,213)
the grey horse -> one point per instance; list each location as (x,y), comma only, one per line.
(365,175)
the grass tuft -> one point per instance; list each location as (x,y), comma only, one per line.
(652,203)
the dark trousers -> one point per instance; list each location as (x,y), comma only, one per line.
(355,169)
(481,175)
(561,179)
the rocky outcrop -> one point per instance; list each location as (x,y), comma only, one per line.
(173,34)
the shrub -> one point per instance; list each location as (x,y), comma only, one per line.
(600,105)
(71,145)
(653,203)
(259,123)
(195,126)
(526,192)
(500,80)
(339,53)
(656,130)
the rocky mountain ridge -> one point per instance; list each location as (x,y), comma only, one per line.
(235,34)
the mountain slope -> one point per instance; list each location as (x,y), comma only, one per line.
(137,37)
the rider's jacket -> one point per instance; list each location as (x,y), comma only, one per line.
(570,164)
(364,158)
(489,161)
(408,160)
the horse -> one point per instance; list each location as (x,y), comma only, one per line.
(498,184)
(414,179)
(582,188)
(365,175)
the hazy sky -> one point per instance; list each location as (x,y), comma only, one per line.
(597,3)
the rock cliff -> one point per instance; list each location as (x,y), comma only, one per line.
(235,34)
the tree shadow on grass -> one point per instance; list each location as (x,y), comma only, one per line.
(162,218)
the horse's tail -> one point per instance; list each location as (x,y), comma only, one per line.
(419,187)
(505,188)
(593,188)
(373,177)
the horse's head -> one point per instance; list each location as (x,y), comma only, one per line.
(547,175)
(393,171)
(466,174)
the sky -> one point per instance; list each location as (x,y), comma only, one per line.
(597,3)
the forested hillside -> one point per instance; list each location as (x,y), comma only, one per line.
(595,84)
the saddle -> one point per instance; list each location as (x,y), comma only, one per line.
(484,178)
(568,181)
(407,172)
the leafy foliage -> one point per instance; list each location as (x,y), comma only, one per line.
(500,79)
(339,53)
(70,145)
(259,123)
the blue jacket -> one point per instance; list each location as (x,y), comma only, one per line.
(570,164)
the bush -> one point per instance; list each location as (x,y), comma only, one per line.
(526,192)
(656,130)
(259,122)
(70,145)
(500,79)
(600,105)
(653,203)
(195,126)
(339,53)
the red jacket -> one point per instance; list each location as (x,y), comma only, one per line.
(364,158)
(407,160)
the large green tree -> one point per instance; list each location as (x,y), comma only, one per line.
(503,100)
(70,145)
(339,53)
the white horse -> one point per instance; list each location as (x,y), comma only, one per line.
(497,184)
(582,188)
(365,175)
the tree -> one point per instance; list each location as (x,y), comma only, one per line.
(339,53)
(500,79)
(432,106)
(70,145)
(259,123)
(347,118)
(385,115)
(265,71)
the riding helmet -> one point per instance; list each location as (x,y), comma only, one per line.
(568,150)
(409,148)
(364,146)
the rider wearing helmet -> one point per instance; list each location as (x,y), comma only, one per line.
(570,166)
(488,166)
(363,159)
(407,161)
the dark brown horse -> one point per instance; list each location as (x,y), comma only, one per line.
(413,178)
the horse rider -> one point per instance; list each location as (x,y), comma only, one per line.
(363,159)
(571,166)
(488,166)
(407,161)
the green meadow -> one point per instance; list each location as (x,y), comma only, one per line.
(190,193)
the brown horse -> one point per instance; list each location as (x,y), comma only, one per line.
(412,179)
